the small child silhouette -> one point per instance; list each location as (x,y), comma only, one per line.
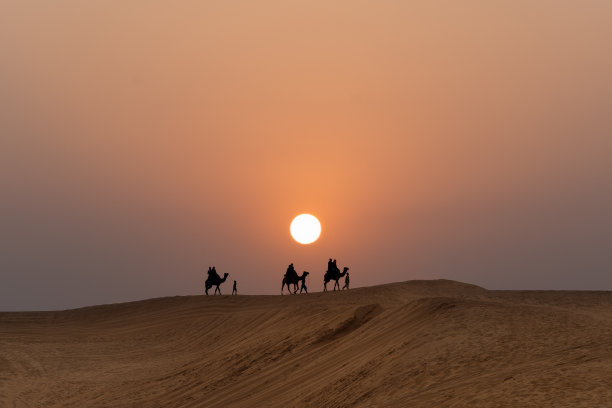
(235,291)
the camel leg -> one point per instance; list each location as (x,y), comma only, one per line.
(336,284)
(324,286)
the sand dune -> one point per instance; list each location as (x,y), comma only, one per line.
(412,344)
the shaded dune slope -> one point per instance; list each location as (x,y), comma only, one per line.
(417,343)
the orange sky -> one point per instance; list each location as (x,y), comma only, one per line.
(141,142)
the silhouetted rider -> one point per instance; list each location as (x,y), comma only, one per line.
(291,274)
(212,273)
(335,267)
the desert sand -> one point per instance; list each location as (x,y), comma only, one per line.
(412,344)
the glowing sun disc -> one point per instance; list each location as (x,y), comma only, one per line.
(305,228)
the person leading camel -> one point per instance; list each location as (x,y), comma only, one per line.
(303,279)
(335,276)
(290,279)
(346,282)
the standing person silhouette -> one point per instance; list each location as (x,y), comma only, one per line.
(235,291)
(346,282)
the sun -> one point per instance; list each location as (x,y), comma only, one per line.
(305,228)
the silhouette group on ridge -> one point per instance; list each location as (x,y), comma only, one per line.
(291,277)
(333,273)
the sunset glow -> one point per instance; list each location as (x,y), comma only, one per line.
(305,229)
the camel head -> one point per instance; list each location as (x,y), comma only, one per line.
(305,274)
(226,274)
(346,269)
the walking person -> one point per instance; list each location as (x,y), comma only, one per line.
(235,291)
(346,282)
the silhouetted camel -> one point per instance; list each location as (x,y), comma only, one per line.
(293,280)
(215,280)
(333,275)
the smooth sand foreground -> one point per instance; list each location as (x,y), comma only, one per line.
(412,344)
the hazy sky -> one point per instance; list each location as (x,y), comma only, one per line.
(142,141)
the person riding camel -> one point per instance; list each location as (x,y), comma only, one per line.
(291,273)
(212,273)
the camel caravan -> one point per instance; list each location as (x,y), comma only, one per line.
(291,277)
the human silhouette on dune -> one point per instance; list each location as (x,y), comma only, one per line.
(303,279)
(235,290)
(214,280)
(346,282)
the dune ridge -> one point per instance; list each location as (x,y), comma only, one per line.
(415,343)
